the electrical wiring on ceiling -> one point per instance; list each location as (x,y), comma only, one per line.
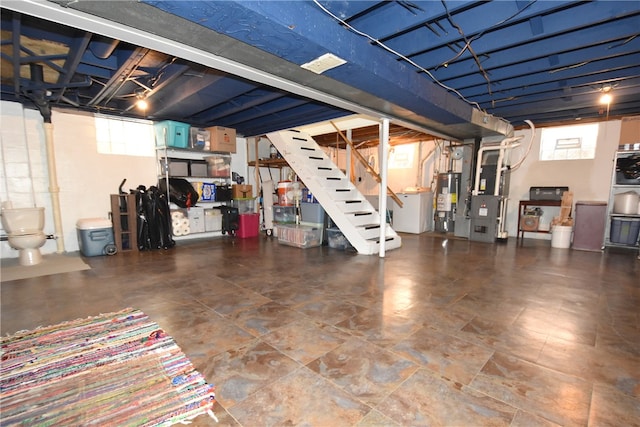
(398,54)
(481,33)
(467,46)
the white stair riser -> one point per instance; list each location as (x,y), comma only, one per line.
(370,233)
(363,219)
(350,207)
(333,183)
(342,195)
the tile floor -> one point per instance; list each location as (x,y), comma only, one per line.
(440,332)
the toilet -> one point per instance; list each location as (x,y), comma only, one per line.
(24,232)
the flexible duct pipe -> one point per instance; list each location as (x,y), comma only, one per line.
(53,186)
(502,147)
(533,134)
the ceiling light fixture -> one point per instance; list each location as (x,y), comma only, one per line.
(142,103)
(323,63)
(606,98)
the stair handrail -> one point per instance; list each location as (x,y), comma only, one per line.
(366,164)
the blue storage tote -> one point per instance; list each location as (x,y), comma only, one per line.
(625,231)
(172,134)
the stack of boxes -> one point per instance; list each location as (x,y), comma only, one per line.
(181,135)
(248,219)
(300,223)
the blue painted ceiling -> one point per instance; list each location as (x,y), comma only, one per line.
(458,68)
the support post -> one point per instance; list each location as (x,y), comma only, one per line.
(382,208)
(349,160)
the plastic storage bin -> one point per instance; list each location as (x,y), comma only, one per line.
(196,219)
(198,168)
(212,220)
(301,236)
(248,225)
(245,206)
(219,166)
(199,139)
(177,167)
(95,237)
(172,134)
(336,239)
(624,231)
(312,212)
(284,214)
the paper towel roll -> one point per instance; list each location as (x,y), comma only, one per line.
(176,215)
(176,223)
(178,231)
(184,222)
(186,230)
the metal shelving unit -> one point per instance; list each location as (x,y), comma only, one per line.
(618,187)
(163,154)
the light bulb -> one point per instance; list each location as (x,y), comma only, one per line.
(606,99)
(142,104)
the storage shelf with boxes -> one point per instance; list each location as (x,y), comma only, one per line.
(623,229)
(623,212)
(201,156)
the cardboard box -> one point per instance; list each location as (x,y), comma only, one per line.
(242,191)
(222,139)
(630,130)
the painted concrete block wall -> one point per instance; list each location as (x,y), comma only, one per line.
(588,179)
(86,178)
(24,166)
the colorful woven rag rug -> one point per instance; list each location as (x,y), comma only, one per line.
(118,369)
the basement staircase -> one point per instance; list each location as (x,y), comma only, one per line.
(356,218)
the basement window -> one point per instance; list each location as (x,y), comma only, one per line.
(128,137)
(576,142)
